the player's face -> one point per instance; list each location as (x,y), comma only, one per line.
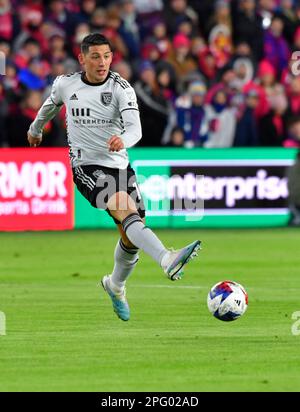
(96,62)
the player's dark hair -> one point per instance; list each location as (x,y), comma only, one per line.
(93,39)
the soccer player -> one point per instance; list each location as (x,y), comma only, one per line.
(102,122)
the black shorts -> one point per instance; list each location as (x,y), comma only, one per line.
(98,183)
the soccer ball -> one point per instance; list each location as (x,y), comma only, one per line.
(227,300)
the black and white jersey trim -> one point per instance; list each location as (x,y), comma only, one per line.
(70,74)
(55,104)
(129,108)
(123,83)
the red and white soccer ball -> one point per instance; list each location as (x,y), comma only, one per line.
(227,300)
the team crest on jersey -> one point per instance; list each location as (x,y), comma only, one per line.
(106,98)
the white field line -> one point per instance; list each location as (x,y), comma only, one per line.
(167,286)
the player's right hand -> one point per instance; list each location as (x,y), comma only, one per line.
(33,141)
(115,144)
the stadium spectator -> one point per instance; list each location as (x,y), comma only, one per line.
(61,17)
(176,137)
(29,50)
(289,18)
(87,8)
(57,48)
(189,116)
(293,135)
(243,50)
(217,42)
(3,116)
(294,191)
(150,51)
(266,9)
(244,72)
(221,16)
(166,80)
(32,22)
(26,114)
(57,69)
(273,124)
(124,69)
(154,109)
(148,12)
(207,64)
(148,7)
(220,44)
(296,43)
(185,26)
(177,11)
(294,96)
(267,79)
(246,133)
(112,32)
(81,31)
(247,25)
(181,60)
(98,20)
(11,85)
(34,77)
(220,122)
(160,38)
(276,49)
(228,78)
(129,29)
(9,21)
(5,48)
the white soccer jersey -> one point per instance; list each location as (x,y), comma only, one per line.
(94,113)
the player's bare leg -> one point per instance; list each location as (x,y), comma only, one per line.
(124,237)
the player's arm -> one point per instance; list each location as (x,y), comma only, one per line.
(132,123)
(49,109)
(132,134)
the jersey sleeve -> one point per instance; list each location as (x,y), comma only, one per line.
(132,126)
(49,109)
(56,96)
(131,117)
(127,99)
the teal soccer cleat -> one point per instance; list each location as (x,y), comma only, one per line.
(119,301)
(175,260)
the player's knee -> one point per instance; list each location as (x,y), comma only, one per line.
(121,202)
(127,243)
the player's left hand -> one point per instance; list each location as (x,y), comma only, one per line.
(115,144)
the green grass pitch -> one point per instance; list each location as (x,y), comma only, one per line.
(62,335)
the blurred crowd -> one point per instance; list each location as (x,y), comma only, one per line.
(206,73)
